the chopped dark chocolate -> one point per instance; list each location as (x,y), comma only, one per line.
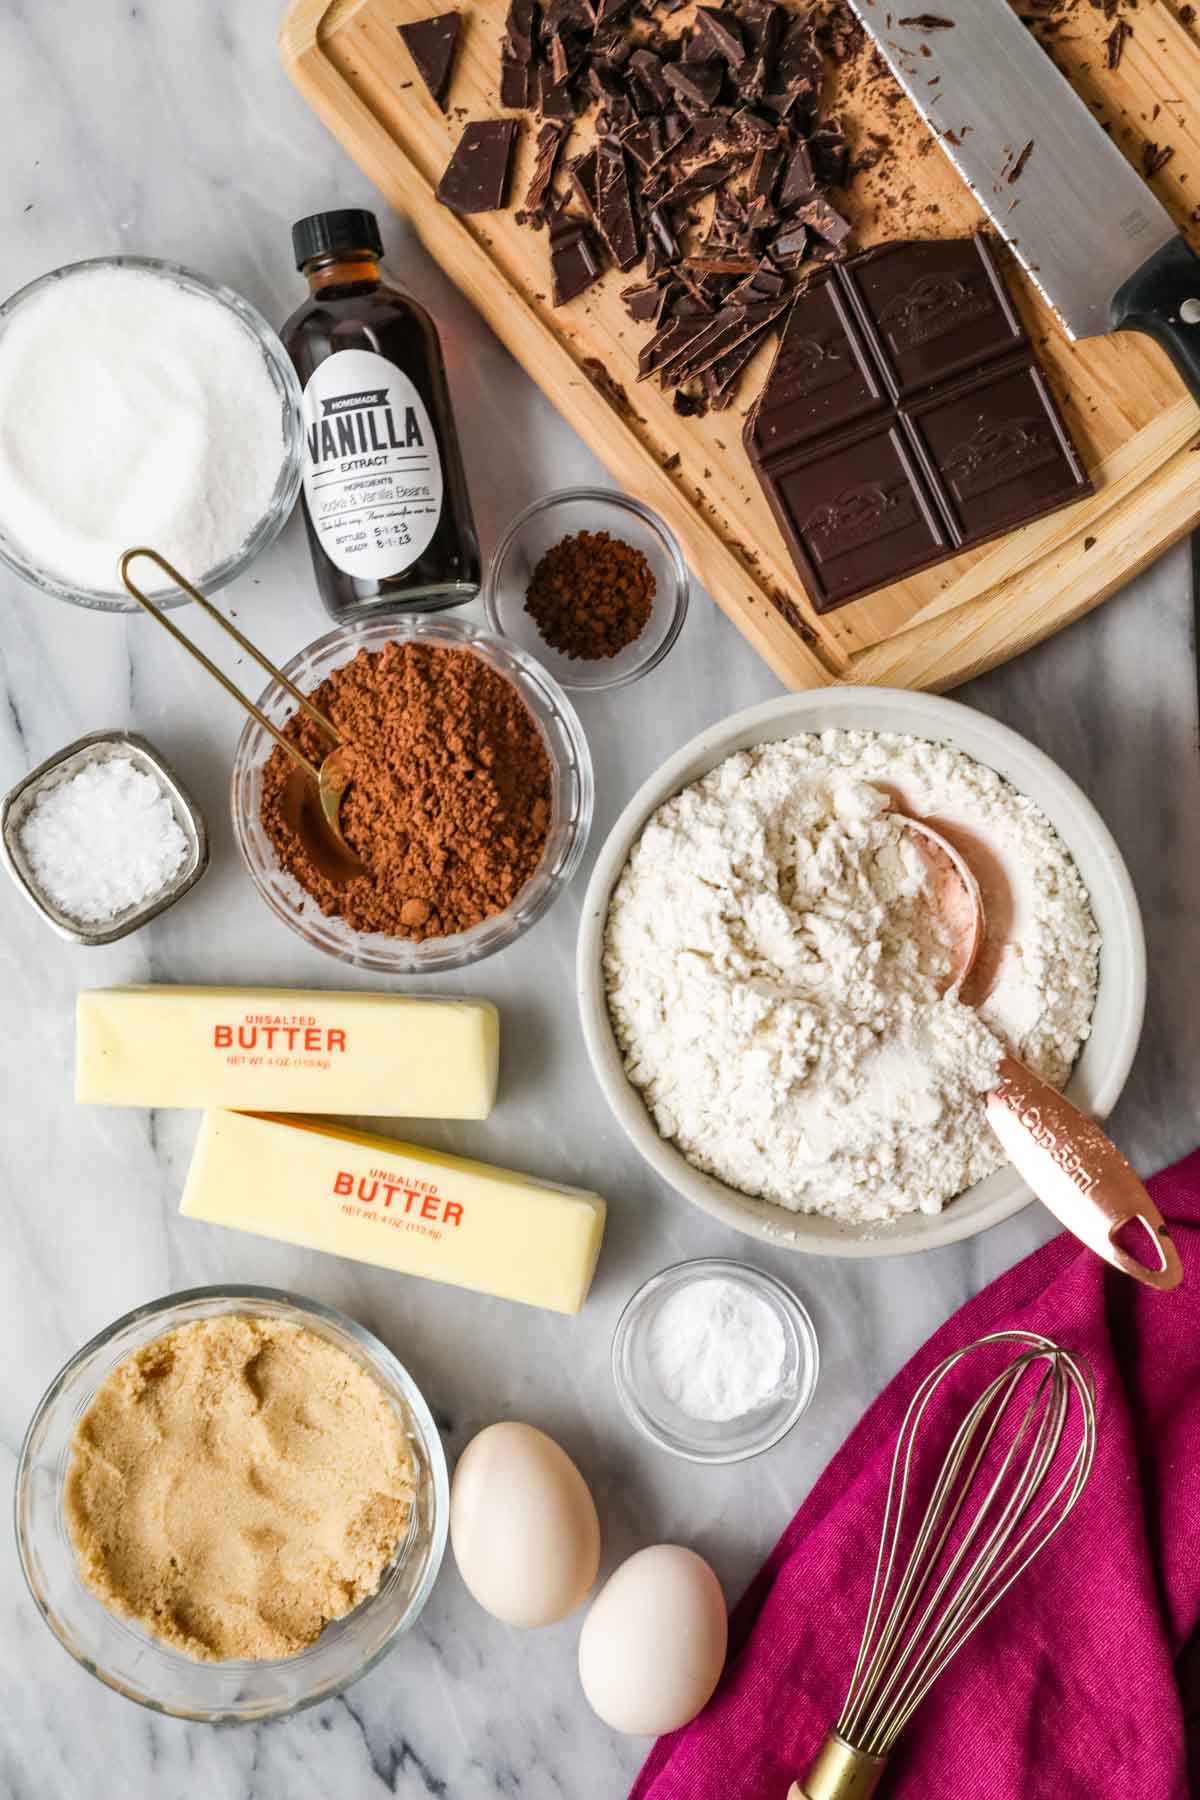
(431,43)
(614,205)
(574,264)
(795,74)
(644,301)
(516,54)
(799,178)
(789,247)
(476,178)
(649,71)
(550,140)
(700,180)
(830,153)
(582,173)
(695,83)
(824,221)
(719,28)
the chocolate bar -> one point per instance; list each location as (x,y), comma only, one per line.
(905,419)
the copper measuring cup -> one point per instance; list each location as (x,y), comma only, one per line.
(317,826)
(1068,1161)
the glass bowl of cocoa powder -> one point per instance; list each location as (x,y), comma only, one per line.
(472,809)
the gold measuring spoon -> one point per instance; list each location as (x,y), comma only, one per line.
(1068,1161)
(318,826)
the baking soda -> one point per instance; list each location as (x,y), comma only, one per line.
(132,411)
(716,1350)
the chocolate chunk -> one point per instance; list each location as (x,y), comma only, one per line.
(516,54)
(614,206)
(764,172)
(582,173)
(661,234)
(699,181)
(644,301)
(550,140)
(855,512)
(829,151)
(609,11)
(574,264)
(795,74)
(645,142)
(997,451)
(431,43)
(789,247)
(799,178)
(649,71)
(690,406)
(476,178)
(933,310)
(695,83)
(720,381)
(824,220)
(719,27)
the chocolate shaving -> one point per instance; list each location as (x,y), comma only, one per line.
(1114,43)
(1155,157)
(1018,168)
(927,22)
(550,140)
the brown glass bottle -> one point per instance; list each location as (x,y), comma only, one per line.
(385,497)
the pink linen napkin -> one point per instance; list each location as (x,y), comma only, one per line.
(1080,1685)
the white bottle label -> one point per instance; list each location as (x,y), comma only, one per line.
(372,472)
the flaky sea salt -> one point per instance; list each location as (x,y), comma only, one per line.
(102,841)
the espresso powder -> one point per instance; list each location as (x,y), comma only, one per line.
(449,807)
(591,595)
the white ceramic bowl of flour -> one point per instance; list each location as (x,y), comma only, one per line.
(1103,1065)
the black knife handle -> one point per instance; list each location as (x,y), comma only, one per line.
(1162,298)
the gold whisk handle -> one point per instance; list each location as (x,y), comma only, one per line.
(840,1773)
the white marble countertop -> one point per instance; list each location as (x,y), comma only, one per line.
(166,128)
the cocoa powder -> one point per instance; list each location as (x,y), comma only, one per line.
(449,807)
(591,595)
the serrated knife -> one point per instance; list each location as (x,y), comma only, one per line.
(1081,220)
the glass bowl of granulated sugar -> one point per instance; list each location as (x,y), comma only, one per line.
(140,403)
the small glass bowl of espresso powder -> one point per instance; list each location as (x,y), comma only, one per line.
(470,803)
(590,583)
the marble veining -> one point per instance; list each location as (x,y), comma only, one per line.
(167,128)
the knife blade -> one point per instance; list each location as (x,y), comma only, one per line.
(1100,246)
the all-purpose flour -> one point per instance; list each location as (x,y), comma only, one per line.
(774,972)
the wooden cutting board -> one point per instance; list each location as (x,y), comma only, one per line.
(1128,411)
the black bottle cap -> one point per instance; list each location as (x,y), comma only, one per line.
(351,228)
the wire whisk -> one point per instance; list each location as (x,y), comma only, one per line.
(1017,1464)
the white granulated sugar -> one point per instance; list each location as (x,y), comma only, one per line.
(716,1350)
(132,411)
(103,840)
(774,970)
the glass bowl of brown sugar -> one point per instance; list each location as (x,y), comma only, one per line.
(591,583)
(414,924)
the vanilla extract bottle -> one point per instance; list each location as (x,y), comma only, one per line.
(385,496)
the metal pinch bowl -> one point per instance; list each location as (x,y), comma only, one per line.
(313,797)
(1068,1161)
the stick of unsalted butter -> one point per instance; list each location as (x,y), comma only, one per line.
(287,1050)
(401,1207)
